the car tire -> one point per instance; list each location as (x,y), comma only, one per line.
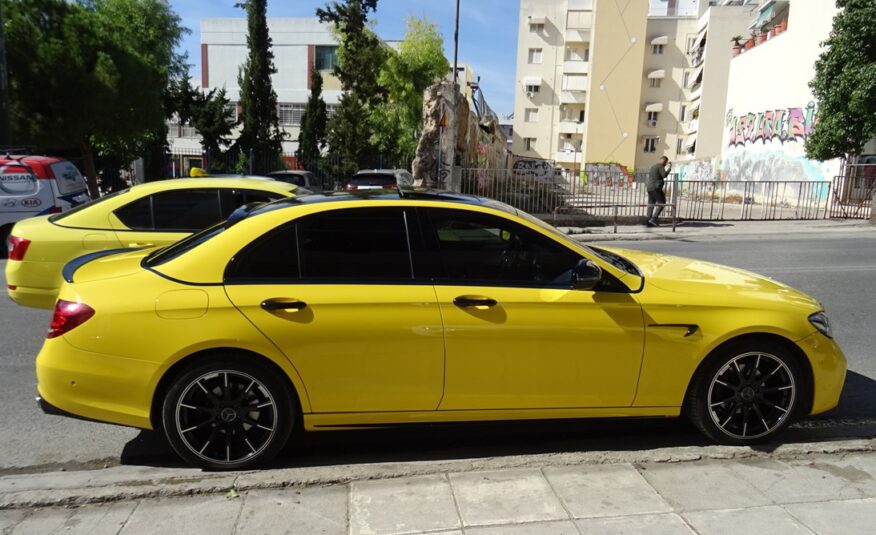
(228,413)
(746,392)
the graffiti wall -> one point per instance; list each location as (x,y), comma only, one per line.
(607,173)
(696,169)
(768,145)
(534,167)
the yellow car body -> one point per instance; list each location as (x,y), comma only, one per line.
(54,240)
(397,352)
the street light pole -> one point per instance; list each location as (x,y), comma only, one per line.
(455,42)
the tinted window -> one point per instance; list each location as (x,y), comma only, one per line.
(136,215)
(273,257)
(374,179)
(362,244)
(482,248)
(232,199)
(187,210)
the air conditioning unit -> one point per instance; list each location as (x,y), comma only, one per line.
(530,94)
(652,123)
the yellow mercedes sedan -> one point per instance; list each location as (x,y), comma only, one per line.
(146,215)
(357,309)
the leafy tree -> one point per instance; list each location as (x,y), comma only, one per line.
(213,118)
(360,58)
(258,102)
(845,84)
(90,76)
(396,124)
(311,139)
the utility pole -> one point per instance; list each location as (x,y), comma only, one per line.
(4,88)
(455,42)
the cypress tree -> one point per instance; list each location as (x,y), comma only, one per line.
(311,139)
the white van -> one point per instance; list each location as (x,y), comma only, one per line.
(36,185)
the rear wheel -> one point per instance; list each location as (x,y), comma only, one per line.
(746,393)
(227,414)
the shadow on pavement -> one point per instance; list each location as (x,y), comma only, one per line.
(854,417)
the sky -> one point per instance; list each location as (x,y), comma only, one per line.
(487,33)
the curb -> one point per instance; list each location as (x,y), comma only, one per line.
(126,483)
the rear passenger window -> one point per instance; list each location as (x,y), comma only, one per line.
(355,245)
(271,258)
(186,210)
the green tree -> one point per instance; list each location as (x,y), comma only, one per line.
(845,84)
(396,124)
(260,136)
(213,118)
(311,139)
(360,57)
(90,76)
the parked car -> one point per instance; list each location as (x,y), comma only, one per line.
(301,178)
(380,179)
(344,311)
(37,185)
(147,215)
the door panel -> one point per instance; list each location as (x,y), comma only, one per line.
(540,348)
(356,347)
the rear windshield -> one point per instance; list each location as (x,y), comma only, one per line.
(68,178)
(186,244)
(375,179)
(78,208)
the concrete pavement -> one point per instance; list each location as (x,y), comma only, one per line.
(812,493)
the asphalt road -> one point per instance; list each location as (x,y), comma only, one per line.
(839,270)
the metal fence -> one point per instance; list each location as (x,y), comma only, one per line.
(625,195)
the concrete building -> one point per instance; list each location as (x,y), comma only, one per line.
(770,109)
(578,81)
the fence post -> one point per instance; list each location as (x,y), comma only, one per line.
(615,218)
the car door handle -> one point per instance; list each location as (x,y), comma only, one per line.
(474,301)
(141,244)
(282,304)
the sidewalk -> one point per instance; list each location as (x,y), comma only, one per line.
(724,229)
(813,493)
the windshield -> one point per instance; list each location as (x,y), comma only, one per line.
(89,204)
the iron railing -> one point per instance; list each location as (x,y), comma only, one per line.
(624,195)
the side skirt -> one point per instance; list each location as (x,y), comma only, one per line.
(350,420)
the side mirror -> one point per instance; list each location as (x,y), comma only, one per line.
(586,275)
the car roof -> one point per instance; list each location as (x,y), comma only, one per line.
(44,160)
(213,182)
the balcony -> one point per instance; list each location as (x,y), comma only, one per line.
(693,125)
(571,127)
(573,96)
(568,156)
(576,67)
(578,35)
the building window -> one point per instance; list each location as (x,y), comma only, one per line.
(536,27)
(685,79)
(231,107)
(679,145)
(330,110)
(290,114)
(657,49)
(326,58)
(652,118)
(681,116)
(531,115)
(534,55)
(529,143)
(532,89)
(651,143)
(574,53)
(690,44)
(656,82)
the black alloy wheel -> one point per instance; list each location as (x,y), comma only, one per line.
(227,414)
(745,395)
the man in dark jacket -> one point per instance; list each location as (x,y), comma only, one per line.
(659,171)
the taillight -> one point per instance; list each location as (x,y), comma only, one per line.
(392,185)
(55,210)
(68,315)
(17,247)
(352,186)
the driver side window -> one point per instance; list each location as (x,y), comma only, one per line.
(478,248)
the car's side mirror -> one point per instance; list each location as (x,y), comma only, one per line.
(586,275)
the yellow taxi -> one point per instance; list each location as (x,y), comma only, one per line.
(146,215)
(381,308)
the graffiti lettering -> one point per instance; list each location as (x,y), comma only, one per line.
(787,125)
(534,167)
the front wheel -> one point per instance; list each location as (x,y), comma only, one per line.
(227,414)
(746,393)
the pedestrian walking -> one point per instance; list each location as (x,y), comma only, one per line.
(656,197)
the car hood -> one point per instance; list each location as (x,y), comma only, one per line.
(686,276)
(106,264)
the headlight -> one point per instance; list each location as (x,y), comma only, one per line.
(819,321)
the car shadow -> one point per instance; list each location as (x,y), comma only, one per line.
(855,417)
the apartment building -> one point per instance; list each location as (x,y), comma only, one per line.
(579,71)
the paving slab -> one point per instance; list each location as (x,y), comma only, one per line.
(659,524)
(707,485)
(505,497)
(562,527)
(99,519)
(852,517)
(317,511)
(9,518)
(40,522)
(406,505)
(859,469)
(605,490)
(215,515)
(771,519)
(793,482)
